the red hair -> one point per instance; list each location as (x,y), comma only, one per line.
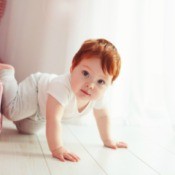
(102,49)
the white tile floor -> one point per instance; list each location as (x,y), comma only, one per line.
(151,152)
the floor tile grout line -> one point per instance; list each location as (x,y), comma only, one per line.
(87,150)
(163,147)
(135,155)
(43,154)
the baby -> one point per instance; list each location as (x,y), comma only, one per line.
(48,98)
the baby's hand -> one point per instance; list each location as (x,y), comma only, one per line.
(114,145)
(62,154)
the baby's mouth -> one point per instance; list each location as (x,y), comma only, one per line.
(86,93)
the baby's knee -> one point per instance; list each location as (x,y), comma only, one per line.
(23,129)
(28,126)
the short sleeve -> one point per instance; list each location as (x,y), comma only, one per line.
(60,91)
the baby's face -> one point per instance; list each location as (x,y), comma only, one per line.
(88,80)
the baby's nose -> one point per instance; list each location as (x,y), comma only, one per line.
(90,85)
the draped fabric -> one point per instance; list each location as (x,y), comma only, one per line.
(44,35)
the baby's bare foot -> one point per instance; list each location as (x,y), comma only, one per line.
(5,66)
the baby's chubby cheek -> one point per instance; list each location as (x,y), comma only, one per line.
(97,95)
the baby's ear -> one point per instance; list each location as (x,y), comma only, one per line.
(71,69)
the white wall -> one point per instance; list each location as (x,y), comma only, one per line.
(43,35)
(33,38)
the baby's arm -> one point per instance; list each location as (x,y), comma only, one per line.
(103,123)
(54,113)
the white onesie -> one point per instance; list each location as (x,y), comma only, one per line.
(25,103)
(59,87)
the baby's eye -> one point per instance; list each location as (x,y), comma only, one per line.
(101,82)
(85,73)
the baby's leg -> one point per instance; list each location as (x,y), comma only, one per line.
(9,86)
(30,126)
(19,101)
